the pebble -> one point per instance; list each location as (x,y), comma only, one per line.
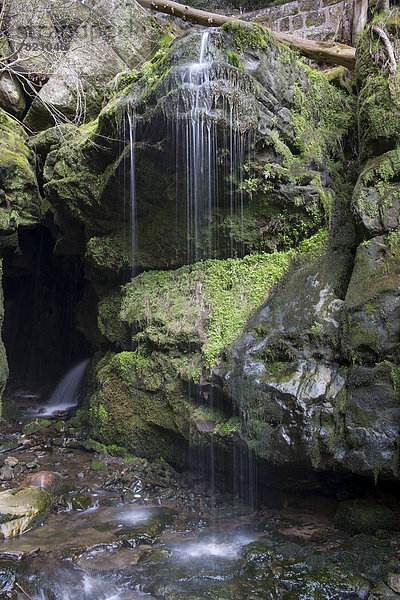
(11,461)
(32,465)
(6,473)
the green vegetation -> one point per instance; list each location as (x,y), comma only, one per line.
(98,465)
(230,292)
(361,516)
(251,35)
(208,303)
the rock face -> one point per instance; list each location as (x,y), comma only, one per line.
(95,54)
(20,197)
(316,375)
(291,352)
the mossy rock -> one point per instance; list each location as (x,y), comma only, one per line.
(371,323)
(361,516)
(147,534)
(139,405)
(378,99)
(25,508)
(19,197)
(376,196)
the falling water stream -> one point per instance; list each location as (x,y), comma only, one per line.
(67,393)
(210,155)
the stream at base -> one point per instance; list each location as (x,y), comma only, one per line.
(129,529)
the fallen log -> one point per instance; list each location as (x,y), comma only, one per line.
(328,52)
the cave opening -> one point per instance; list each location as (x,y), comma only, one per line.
(43,295)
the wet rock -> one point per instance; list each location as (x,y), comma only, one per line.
(361,516)
(11,461)
(52,482)
(147,534)
(22,509)
(393,581)
(6,473)
(372,303)
(32,465)
(11,95)
(375,195)
(383,592)
(82,502)
(7,581)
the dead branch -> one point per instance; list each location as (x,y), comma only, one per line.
(388,45)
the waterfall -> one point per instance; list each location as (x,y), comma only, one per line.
(211,157)
(67,393)
(211,151)
(132,141)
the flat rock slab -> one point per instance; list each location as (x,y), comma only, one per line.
(21,509)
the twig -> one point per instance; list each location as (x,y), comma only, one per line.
(23,591)
(388,45)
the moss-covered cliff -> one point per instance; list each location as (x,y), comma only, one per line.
(268,318)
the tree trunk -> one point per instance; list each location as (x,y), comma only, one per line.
(328,52)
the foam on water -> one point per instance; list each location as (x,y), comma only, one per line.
(212,548)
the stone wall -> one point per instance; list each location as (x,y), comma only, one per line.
(313,19)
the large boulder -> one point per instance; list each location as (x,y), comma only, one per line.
(378,82)
(372,304)
(22,509)
(184,320)
(376,194)
(111,37)
(12,98)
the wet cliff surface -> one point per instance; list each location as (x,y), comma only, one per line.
(226,225)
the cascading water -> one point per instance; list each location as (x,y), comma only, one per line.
(132,141)
(211,153)
(67,393)
(211,144)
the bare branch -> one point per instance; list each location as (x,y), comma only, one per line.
(388,45)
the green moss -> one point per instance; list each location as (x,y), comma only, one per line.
(322,116)
(234,60)
(206,304)
(395,375)
(228,428)
(111,252)
(361,516)
(21,199)
(138,404)
(245,36)
(160,302)
(98,465)
(378,100)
